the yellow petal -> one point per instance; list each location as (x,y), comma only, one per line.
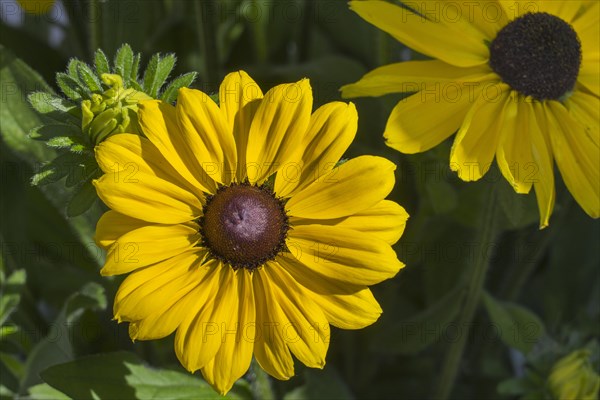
(409,76)
(587,28)
(234,356)
(565,9)
(486,15)
(435,39)
(149,289)
(514,144)
(270,349)
(586,110)
(302,324)
(207,133)
(148,245)
(425,119)
(342,254)
(515,8)
(165,320)
(577,156)
(112,225)
(148,198)
(331,130)
(277,129)
(124,155)
(354,186)
(159,123)
(477,139)
(345,306)
(239,97)
(386,220)
(202,333)
(542,156)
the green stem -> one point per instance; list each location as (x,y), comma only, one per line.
(95,27)
(482,259)
(205,15)
(383,53)
(260,38)
(260,382)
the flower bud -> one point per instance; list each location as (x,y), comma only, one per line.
(113,111)
(573,377)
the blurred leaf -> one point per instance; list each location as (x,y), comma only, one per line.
(442,195)
(422,330)
(17,79)
(43,391)
(520,210)
(10,294)
(123,375)
(321,384)
(568,287)
(56,347)
(519,328)
(83,198)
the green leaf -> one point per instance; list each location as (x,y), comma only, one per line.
(421,330)
(56,347)
(43,391)
(520,210)
(62,142)
(56,169)
(69,86)
(54,108)
(88,77)
(124,61)
(157,73)
(519,328)
(123,375)
(170,93)
(101,63)
(83,198)
(135,68)
(17,79)
(10,294)
(49,131)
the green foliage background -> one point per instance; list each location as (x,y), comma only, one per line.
(58,340)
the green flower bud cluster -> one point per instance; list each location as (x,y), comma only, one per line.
(113,111)
(573,377)
(96,102)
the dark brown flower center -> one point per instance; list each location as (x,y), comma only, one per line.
(244,225)
(538,55)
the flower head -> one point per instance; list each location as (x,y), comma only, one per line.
(241,231)
(573,377)
(518,82)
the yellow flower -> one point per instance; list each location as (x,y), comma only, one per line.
(573,377)
(36,7)
(240,229)
(517,80)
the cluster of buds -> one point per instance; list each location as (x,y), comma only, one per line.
(96,102)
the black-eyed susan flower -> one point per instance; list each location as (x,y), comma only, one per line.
(518,81)
(240,230)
